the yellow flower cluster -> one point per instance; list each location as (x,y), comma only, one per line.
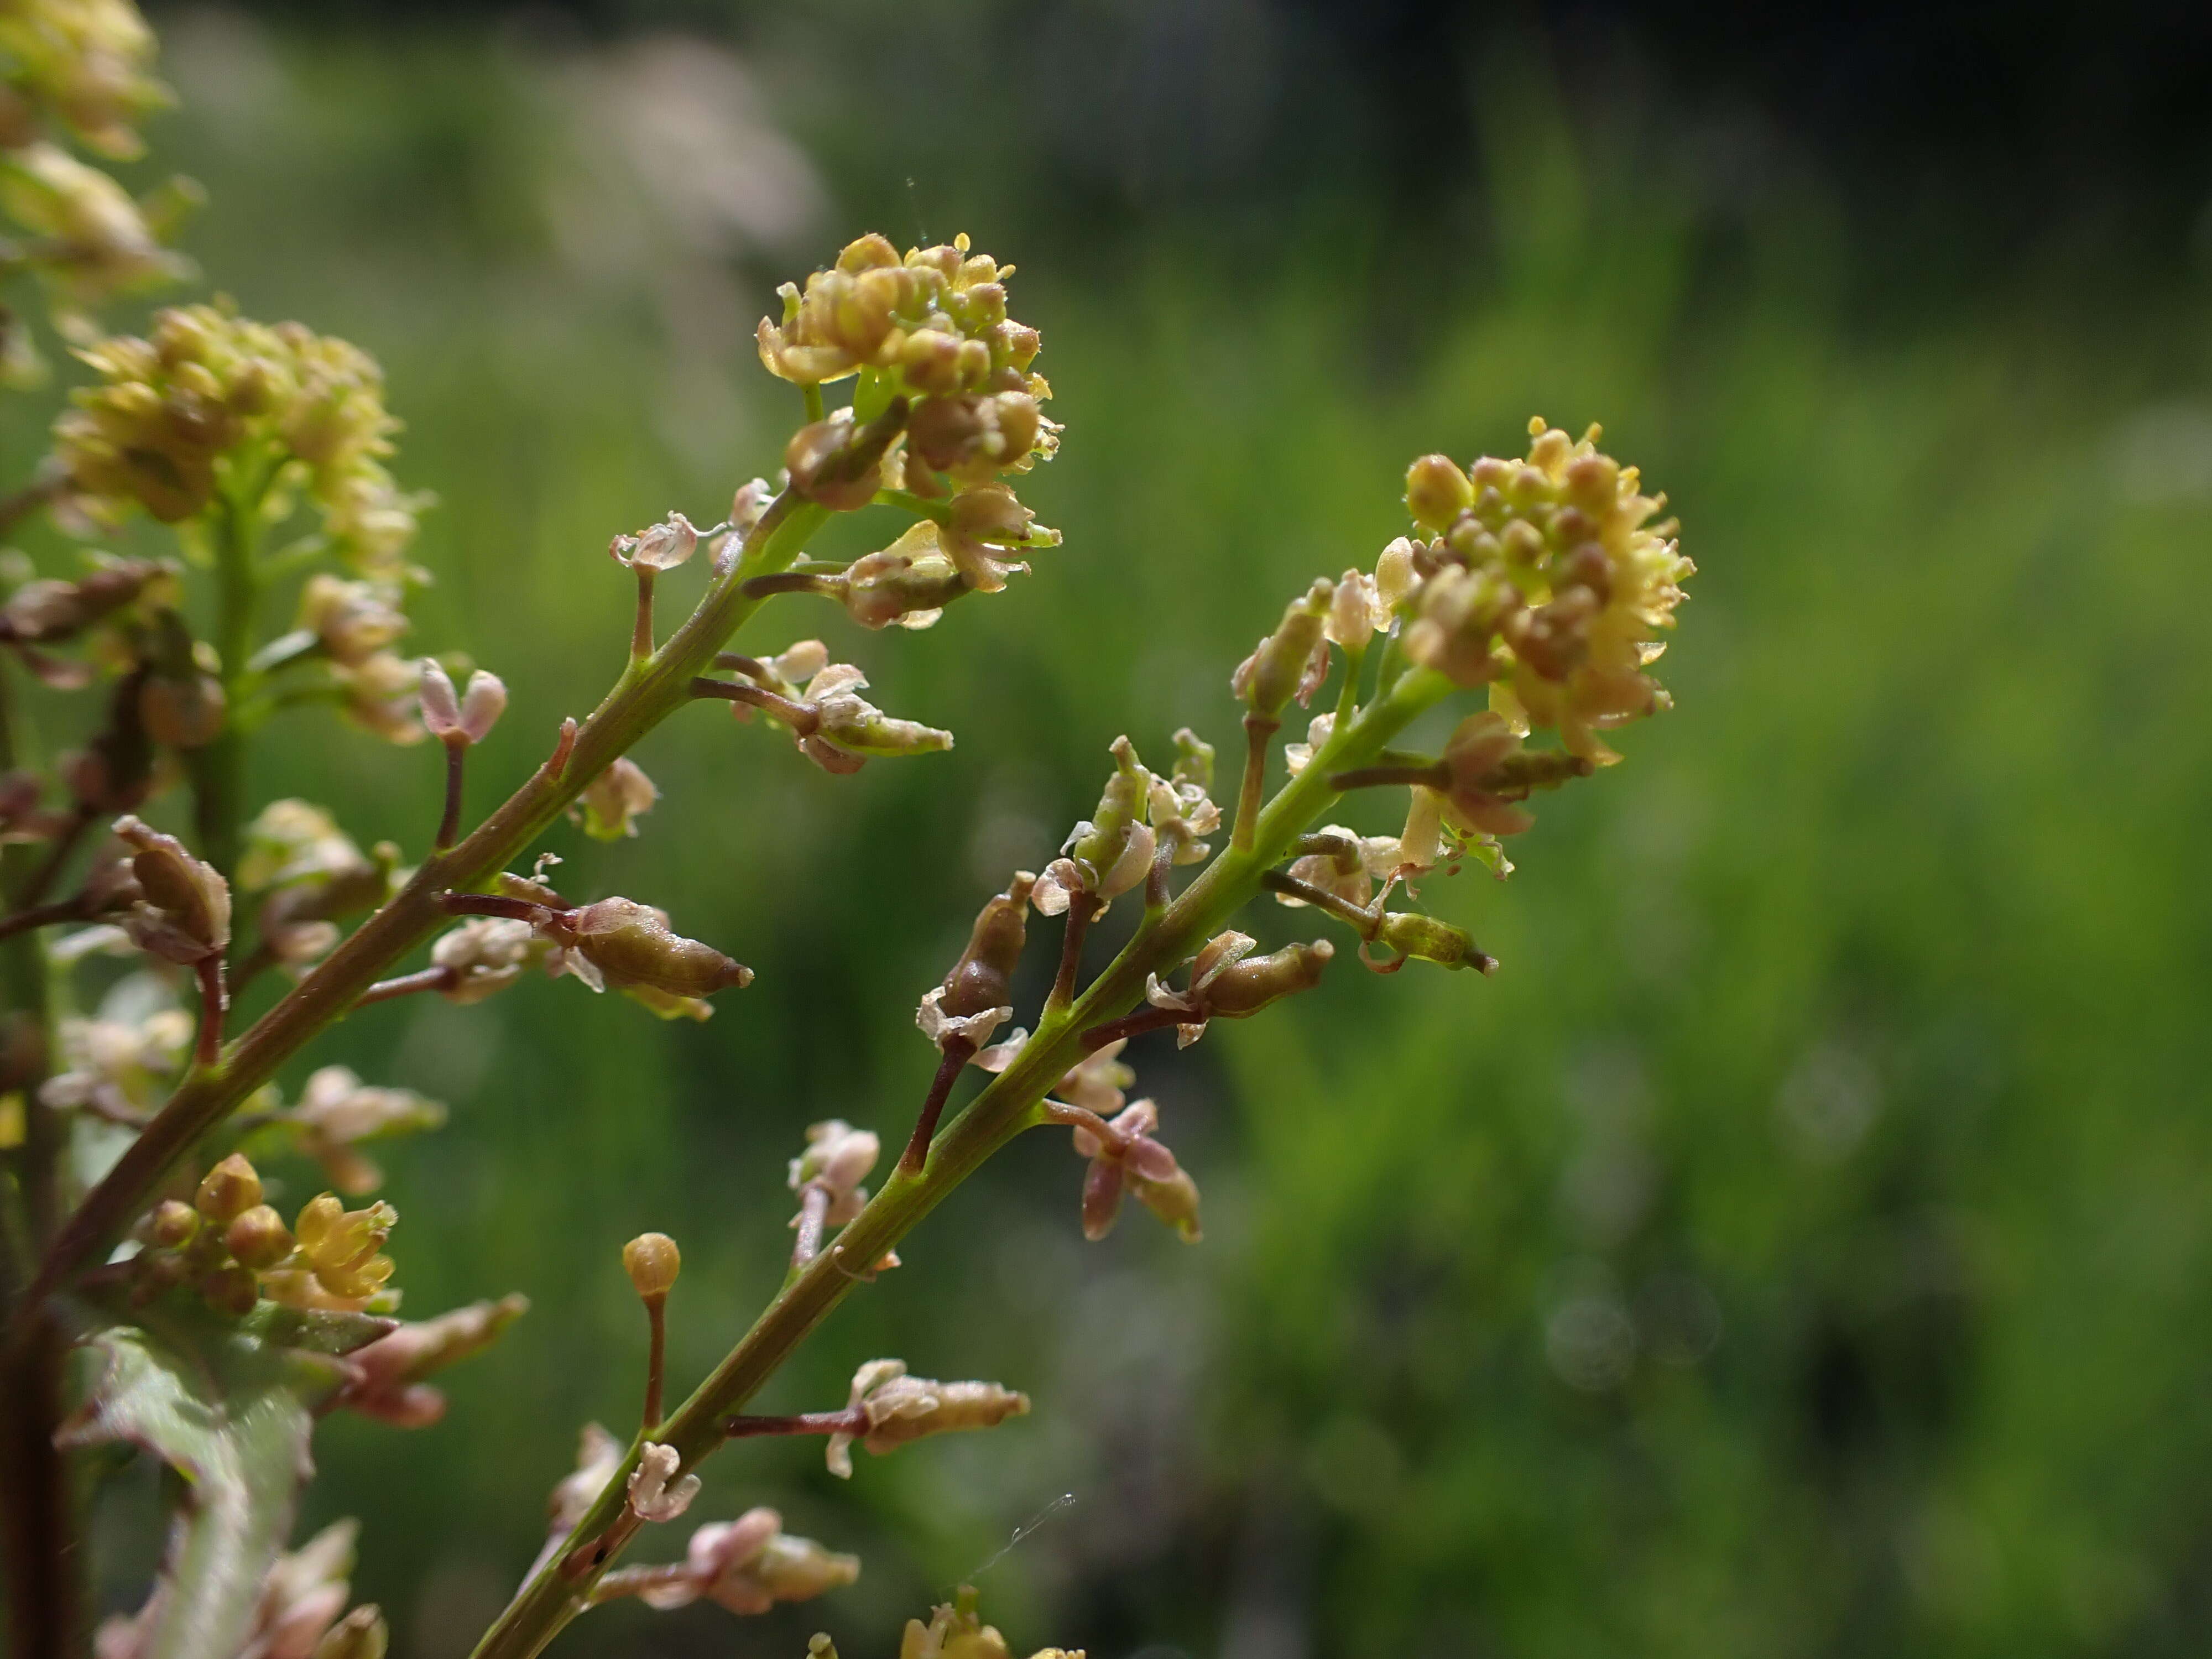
(933,327)
(89,61)
(1546,581)
(216,405)
(234,1249)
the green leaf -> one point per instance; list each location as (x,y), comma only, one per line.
(231,1411)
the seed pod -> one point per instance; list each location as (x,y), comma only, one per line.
(1238,990)
(982,978)
(631,944)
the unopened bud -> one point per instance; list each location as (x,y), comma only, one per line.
(171,1225)
(1436,492)
(185,916)
(230,1290)
(1270,675)
(613,801)
(653,1261)
(442,707)
(184,712)
(229,1190)
(482,705)
(258,1237)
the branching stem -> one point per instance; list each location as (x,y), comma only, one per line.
(1258,729)
(656,1358)
(429,979)
(1007,1105)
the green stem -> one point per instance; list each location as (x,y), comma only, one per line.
(41,1527)
(645,694)
(1009,1104)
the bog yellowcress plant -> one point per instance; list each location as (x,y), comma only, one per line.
(135,1220)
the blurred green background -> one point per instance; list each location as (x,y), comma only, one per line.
(1801,1245)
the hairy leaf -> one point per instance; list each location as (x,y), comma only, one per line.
(231,1411)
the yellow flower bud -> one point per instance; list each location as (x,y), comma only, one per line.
(653,1261)
(229,1190)
(258,1237)
(171,1225)
(1436,492)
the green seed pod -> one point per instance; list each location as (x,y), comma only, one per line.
(1243,988)
(1269,677)
(631,944)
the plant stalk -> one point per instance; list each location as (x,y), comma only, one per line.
(643,697)
(563,1587)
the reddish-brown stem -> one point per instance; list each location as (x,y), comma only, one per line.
(813,1216)
(796,715)
(29,498)
(564,746)
(41,878)
(38,1525)
(958,1051)
(494,904)
(1081,913)
(1361,918)
(656,1358)
(429,979)
(1082,1117)
(853,1420)
(1258,728)
(1436,775)
(449,826)
(640,633)
(737,662)
(214,1003)
(42,915)
(1129,1025)
(782,581)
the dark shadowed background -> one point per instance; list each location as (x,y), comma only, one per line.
(1803,1245)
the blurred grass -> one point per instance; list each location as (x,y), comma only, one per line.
(1799,1248)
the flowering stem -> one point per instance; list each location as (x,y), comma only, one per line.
(1006,1106)
(641,699)
(429,979)
(449,826)
(214,1003)
(958,1051)
(218,768)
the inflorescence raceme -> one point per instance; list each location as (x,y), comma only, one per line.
(1541,581)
